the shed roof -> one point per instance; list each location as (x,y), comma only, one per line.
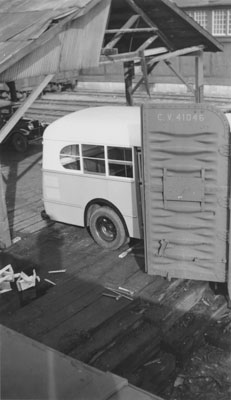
(41,37)
(34,36)
(175,29)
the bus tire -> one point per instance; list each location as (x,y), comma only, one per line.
(107,228)
(19,142)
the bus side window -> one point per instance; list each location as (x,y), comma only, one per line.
(93,159)
(69,157)
(120,161)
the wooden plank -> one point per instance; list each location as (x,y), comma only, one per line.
(130,56)
(130,30)
(19,113)
(106,333)
(135,341)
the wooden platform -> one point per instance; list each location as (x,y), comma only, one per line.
(144,339)
(30,370)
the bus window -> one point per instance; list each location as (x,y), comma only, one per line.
(69,157)
(93,159)
(120,161)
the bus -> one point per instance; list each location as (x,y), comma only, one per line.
(90,167)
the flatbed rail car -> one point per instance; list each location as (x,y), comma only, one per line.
(157,172)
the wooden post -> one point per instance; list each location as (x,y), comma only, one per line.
(5,240)
(24,107)
(199,78)
(128,76)
(13,91)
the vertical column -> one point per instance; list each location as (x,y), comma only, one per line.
(199,78)
(5,240)
(128,76)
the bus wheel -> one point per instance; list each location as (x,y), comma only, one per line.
(107,229)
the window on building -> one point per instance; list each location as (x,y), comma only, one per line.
(120,161)
(70,158)
(93,159)
(219,22)
(201,17)
(229,22)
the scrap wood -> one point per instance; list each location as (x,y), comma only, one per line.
(16,239)
(51,282)
(126,252)
(120,288)
(5,287)
(156,361)
(7,274)
(119,292)
(57,271)
(25,282)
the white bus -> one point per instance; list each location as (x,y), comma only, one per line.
(89,172)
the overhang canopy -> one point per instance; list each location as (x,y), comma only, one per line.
(172,26)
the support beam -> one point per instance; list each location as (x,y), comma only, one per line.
(180,77)
(5,239)
(145,72)
(177,53)
(149,70)
(147,43)
(130,30)
(21,111)
(128,77)
(131,21)
(13,92)
(199,78)
(130,56)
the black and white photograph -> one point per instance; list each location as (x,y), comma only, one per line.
(115,199)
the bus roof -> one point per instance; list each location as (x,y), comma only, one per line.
(109,125)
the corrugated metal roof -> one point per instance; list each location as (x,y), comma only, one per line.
(202,3)
(40,37)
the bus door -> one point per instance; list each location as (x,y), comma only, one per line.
(186,179)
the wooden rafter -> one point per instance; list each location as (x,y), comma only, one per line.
(149,22)
(188,50)
(147,43)
(130,22)
(130,30)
